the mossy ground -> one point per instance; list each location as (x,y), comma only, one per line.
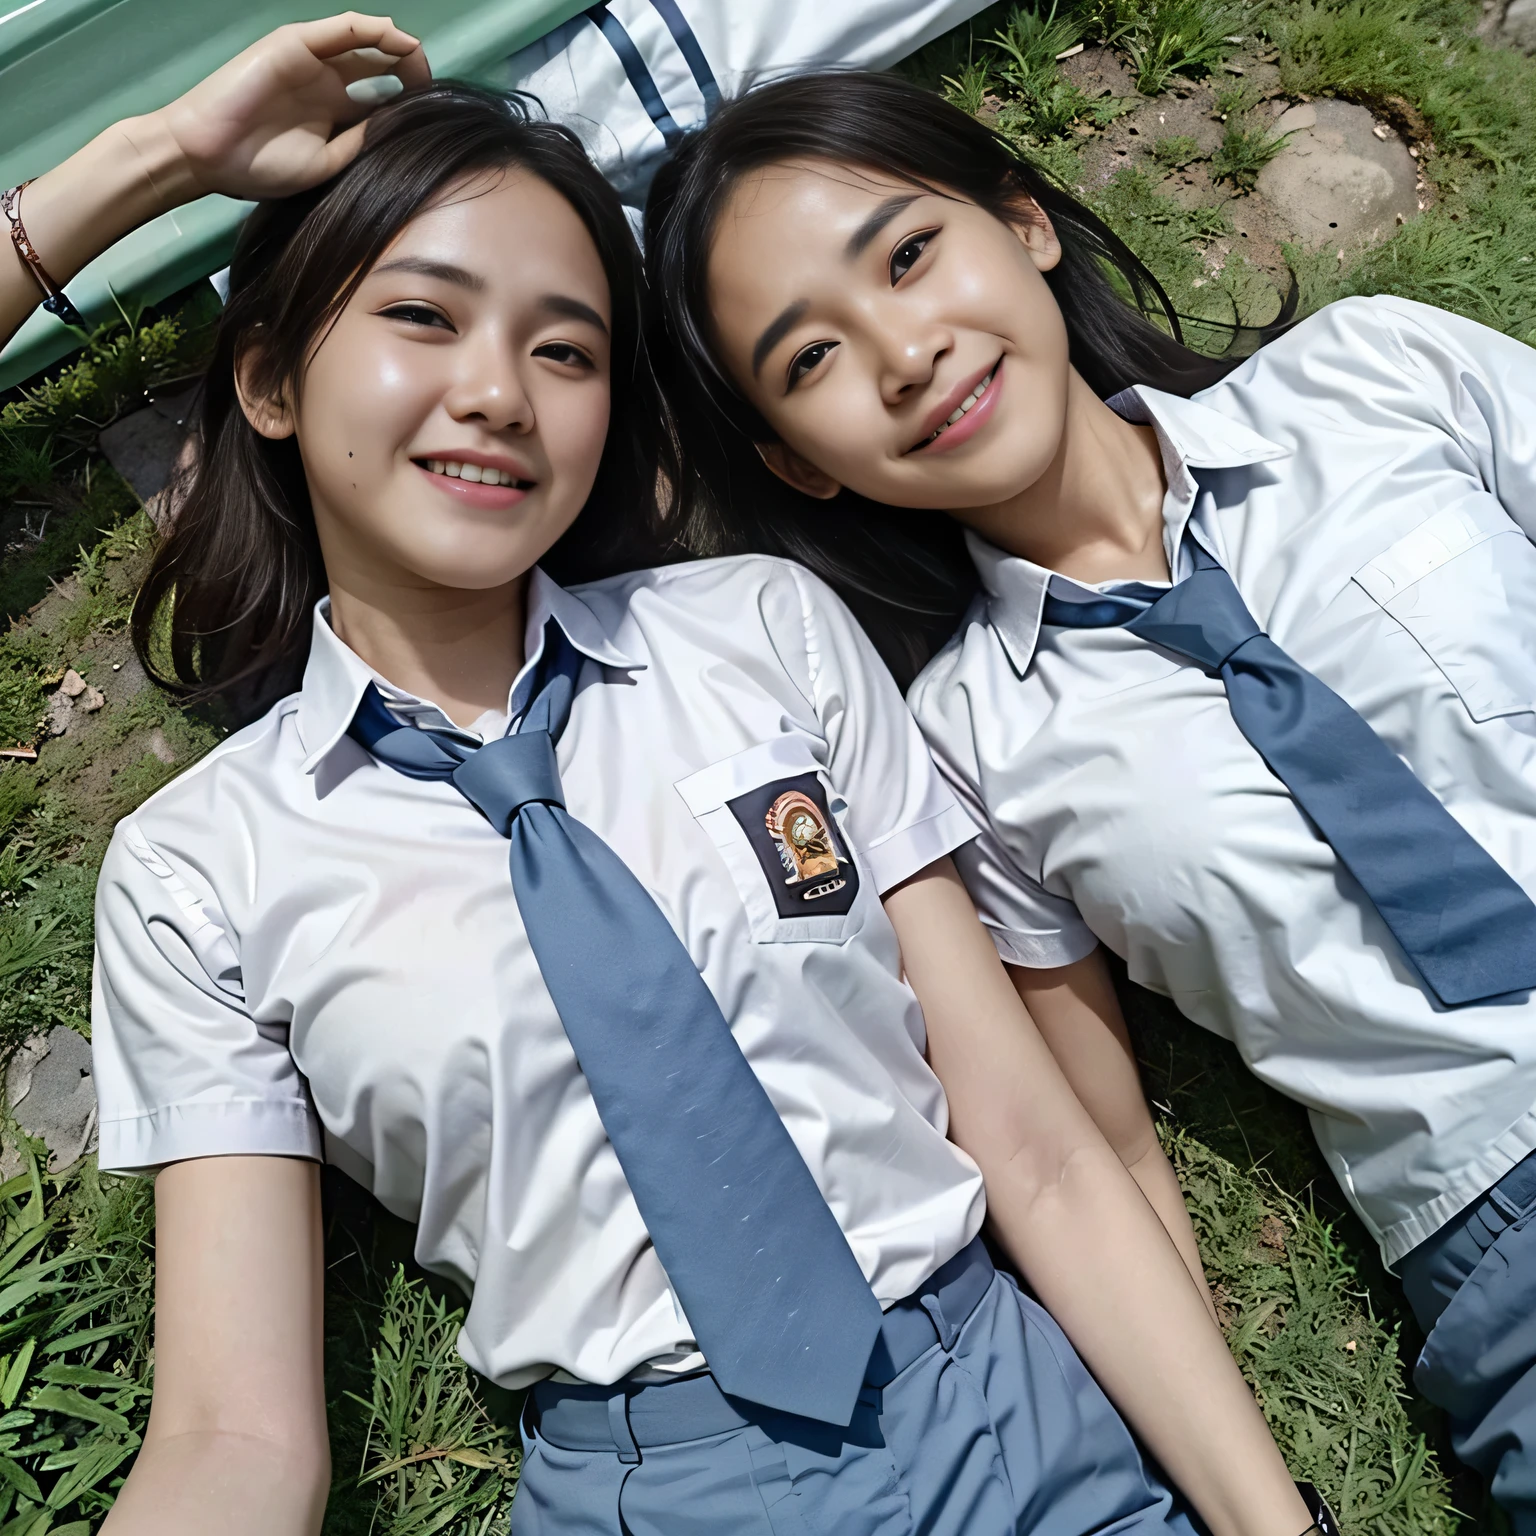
(419,1446)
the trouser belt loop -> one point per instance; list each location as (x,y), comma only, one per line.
(1515,1194)
(618,1424)
(948,1332)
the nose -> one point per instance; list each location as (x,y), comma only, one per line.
(910,349)
(488,388)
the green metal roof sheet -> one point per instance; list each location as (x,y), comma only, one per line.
(69,68)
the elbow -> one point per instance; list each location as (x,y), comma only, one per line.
(1038,1171)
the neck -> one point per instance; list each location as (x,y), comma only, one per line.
(1096,514)
(460,649)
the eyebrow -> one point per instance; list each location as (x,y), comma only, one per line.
(564,307)
(776,331)
(858,243)
(445,271)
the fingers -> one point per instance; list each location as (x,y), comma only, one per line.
(371,63)
(341,150)
(413,68)
(362,64)
(342,34)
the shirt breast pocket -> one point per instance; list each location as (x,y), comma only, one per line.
(1463,584)
(777,825)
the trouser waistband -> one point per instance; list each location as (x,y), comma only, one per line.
(624,1416)
(1432,1272)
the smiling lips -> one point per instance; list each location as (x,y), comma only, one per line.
(483,485)
(966,418)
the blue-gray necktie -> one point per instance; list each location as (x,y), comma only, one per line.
(774,1295)
(1468,928)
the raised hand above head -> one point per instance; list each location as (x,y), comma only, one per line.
(266,124)
(277,119)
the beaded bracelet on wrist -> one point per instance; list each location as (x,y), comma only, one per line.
(55,301)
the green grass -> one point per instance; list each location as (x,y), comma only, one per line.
(1326,1370)
(1243,153)
(1176,150)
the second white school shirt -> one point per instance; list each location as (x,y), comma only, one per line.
(1369,482)
(297,945)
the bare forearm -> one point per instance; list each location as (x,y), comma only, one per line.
(1156,1180)
(1078,1016)
(120,180)
(1080,1229)
(1097,1256)
(191,1484)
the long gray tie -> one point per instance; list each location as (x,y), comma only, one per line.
(774,1295)
(1467,927)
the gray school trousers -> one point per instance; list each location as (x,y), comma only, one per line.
(978,1419)
(1472,1287)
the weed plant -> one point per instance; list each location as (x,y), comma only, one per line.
(437,1459)
(1326,1370)
(1243,153)
(1175,151)
(74,1331)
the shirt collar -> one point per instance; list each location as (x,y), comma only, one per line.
(1191,436)
(335,677)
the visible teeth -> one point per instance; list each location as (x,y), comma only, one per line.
(473,473)
(964,405)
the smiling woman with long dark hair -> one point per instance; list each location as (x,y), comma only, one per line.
(1244,681)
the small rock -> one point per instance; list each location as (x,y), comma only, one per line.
(74,685)
(61,712)
(92,700)
(1272,1234)
(160,746)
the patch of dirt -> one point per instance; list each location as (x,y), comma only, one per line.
(1347,174)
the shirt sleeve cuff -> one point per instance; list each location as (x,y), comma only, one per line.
(1042,951)
(902,853)
(235,1128)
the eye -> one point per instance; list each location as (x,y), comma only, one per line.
(905,256)
(808,360)
(418,314)
(566,353)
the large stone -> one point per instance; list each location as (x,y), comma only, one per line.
(1338,180)
(143,447)
(50,1092)
(1518,28)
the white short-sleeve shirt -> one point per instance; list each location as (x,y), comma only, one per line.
(1369,481)
(300,951)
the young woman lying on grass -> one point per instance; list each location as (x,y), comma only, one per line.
(733,1250)
(1248,691)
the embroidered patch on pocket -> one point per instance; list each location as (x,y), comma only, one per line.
(797,843)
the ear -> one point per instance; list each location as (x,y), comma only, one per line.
(797,472)
(1032,224)
(271,415)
